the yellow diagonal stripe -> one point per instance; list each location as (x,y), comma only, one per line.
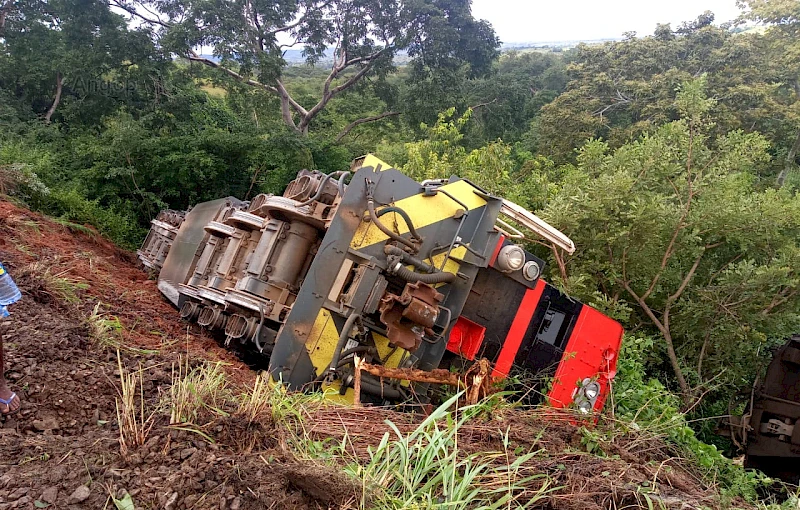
(371,160)
(422,210)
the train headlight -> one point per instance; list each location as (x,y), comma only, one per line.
(510,258)
(585,406)
(531,271)
(592,390)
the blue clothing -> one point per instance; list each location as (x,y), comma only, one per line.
(9,293)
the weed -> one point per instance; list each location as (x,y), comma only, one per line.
(134,423)
(107,332)
(23,248)
(292,406)
(43,458)
(31,225)
(256,402)
(204,387)
(57,285)
(123,502)
(75,227)
(427,469)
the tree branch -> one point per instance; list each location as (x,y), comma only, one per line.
(686,279)
(562,266)
(329,93)
(300,20)
(57,99)
(358,122)
(294,104)
(664,329)
(120,4)
(481,105)
(194,57)
(778,300)
(703,350)
(789,164)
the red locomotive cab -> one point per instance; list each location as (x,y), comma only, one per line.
(531,331)
(589,362)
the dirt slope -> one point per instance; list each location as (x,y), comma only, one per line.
(63,450)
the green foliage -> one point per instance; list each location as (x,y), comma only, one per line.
(425,469)
(358,40)
(494,166)
(674,224)
(620,90)
(70,205)
(642,404)
(82,49)
(194,390)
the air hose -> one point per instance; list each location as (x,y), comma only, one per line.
(411,229)
(343,336)
(408,258)
(378,389)
(396,257)
(429,278)
(383,228)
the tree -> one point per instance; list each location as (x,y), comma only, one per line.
(673,225)
(783,55)
(357,38)
(507,101)
(620,90)
(74,57)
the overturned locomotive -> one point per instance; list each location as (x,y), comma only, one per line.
(401,273)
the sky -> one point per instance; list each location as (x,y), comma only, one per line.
(518,21)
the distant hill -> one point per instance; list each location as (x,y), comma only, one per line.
(563,45)
(296,57)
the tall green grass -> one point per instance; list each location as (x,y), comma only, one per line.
(428,469)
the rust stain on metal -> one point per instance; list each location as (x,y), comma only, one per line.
(475,381)
(410,315)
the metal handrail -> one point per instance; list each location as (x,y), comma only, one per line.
(535,224)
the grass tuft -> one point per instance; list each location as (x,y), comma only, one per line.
(255,404)
(202,388)
(426,469)
(58,286)
(134,423)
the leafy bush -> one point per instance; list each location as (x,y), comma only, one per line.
(70,205)
(644,405)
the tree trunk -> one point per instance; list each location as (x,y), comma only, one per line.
(52,110)
(787,167)
(683,384)
(795,147)
(663,326)
(5,7)
(286,113)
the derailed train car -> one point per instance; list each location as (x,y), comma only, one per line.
(769,430)
(401,273)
